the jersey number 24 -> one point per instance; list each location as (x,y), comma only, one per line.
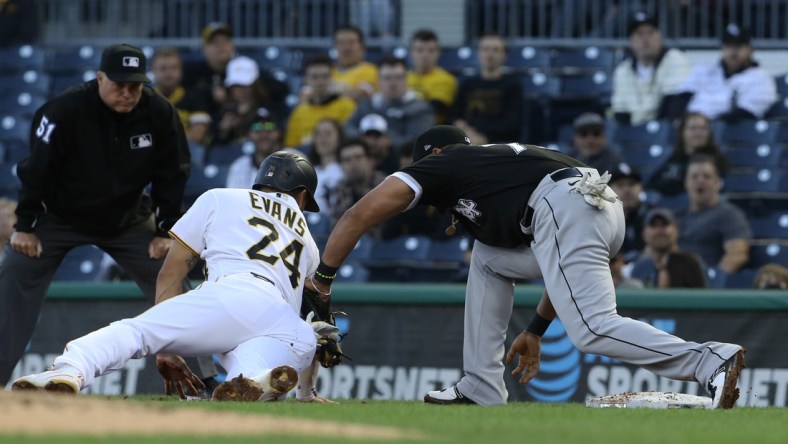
(290,255)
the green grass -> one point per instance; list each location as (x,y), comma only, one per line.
(517,422)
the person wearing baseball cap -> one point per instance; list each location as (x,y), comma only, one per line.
(649,78)
(626,182)
(733,89)
(436,138)
(94,150)
(532,212)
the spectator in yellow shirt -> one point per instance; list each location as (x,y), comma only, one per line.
(357,77)
(435,84)
(319,100)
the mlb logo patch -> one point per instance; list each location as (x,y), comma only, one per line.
(141,141)
(131,62)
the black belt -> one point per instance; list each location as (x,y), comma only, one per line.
(565,173)
(262,278)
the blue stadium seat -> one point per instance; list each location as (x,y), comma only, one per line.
(746,133)
(22,104)
(646,158)
(446,260)
(76,58)
(762,156)
(528,57)
(762,253)
(352,272)
(32,82)
(645,135)
(770,226)
(274,56)
(13,151)
(203,179)
(716,277)
(461,60)
(753,180)
(674,203)
(539,84)
(83,263)
(591,58)
(782,85)
(779,111)
(14,128)
(598,85)
(741,279)
(64,81)
(319,225)
(397,259)
(225,155)
(22,58)
(362,251)
(9,182)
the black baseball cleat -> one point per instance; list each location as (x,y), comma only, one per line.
(447,396)
(722,384)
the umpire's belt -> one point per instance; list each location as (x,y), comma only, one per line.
(565,173)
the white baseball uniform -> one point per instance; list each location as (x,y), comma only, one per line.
(258,251)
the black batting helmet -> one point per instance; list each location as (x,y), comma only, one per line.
(286,171)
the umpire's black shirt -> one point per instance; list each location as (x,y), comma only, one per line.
(89,165)
(486,187)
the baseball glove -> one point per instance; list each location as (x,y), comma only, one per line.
(318,314)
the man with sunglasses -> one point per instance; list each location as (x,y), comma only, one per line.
(266,136)
(590,143)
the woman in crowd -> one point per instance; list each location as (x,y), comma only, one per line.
(326,138)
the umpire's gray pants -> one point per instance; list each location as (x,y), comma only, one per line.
(573,245)
(24,281)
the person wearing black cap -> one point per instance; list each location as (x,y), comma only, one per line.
(533,212)
(649,79)
(589,143)
(733,89)
(626,182)
(93,151)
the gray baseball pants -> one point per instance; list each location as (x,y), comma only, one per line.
(573,243)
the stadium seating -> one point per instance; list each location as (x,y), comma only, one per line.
(782,85)
(764,252)
(592,58)
(741,279)
(397,259)
(746,133)
(73,59)
(770,226)
(21,104)
(319,225)
(13,151)
(362,251)
(445,260)
(22,58)
(80,264)
(540,85)
(271,57)
(9,182)
(762,156)
(225,155)
(752,180)
(645,135)
(646,158)
(528,58)
(203,179)
(31,81)
(598,84)
(352,272)
(461,60)
(64,81)
(14,128)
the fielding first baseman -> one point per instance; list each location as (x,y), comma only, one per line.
(533,212)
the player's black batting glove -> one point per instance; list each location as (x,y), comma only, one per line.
(319,315)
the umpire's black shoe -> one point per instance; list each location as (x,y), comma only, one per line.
(447,396)
(722,384)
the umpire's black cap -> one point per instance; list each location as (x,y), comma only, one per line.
(437,137)
(124,63)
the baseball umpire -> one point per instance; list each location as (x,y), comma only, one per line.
(93,151)
(532,212)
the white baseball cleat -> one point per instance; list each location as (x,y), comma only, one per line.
(722,384)
(66,379)
(448,395)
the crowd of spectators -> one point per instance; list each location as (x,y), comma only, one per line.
(356,117)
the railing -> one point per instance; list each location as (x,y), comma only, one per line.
(688,23)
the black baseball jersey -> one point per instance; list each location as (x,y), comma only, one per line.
(486,187)
(89,165)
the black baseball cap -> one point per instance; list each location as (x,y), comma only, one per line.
(211,30)
(124,63)
(625,171)
(736,35)
(438,136)
(641,18)
(660,213)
